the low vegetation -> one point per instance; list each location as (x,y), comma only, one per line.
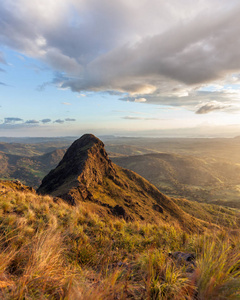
(51,250)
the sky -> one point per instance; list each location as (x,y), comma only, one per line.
(133,68)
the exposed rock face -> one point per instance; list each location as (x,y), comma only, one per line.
(86,174)
(85,164)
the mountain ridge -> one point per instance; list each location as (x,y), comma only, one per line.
(87,174)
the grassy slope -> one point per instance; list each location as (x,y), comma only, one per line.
(29,170)
(211,213)
(202,179)
(51,250)
(34,149)
(141,201)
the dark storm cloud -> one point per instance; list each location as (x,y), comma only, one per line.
(107,46)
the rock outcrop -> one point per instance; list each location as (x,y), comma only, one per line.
(87,174)
(85,164)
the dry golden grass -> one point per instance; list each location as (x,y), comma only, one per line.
(50,250)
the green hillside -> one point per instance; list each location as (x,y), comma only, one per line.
(209,180)
(27,169)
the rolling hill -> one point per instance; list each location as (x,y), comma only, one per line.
(202,179)
(29,170)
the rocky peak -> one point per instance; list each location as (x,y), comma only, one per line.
(85,164)
(85,173)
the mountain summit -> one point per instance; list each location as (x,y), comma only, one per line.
(87,174)
(85,164)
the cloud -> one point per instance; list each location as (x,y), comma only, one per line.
(2,70)
(66,103)
(2,58)
(59,121)
(165,54)
(70,120)
(12,126)
(139,118)
(212,106)
(129,111)
(195,98)
(12,120)
(36,68)
(58,80)
(32,122)
(44,121)
(140,100)
(2,83)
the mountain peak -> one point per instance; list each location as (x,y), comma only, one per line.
(84,144)
(87,140)
(85,164)
(87,174)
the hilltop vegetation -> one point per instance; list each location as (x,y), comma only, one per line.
(52,250)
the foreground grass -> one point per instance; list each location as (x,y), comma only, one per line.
(50,250)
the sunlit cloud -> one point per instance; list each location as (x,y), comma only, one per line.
(172,47)
(164,56)
(140,118)
(140,100)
